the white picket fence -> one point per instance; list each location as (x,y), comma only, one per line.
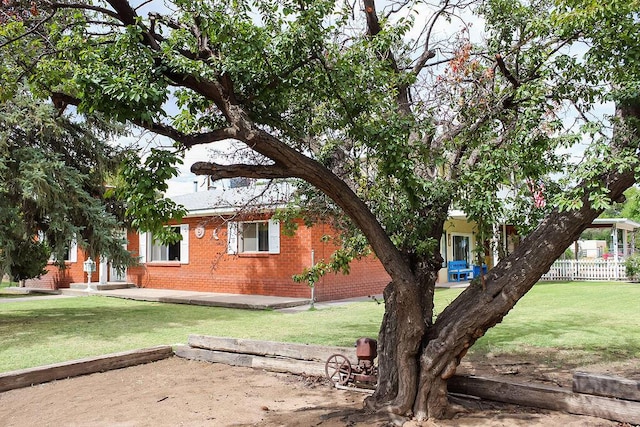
(586,270)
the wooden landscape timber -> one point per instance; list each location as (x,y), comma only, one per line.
(304,359)
(293,366)
(300,359)
(595,395)
(42,374)
(546,397)
(269,348)
(607,386)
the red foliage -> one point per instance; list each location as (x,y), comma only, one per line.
(17,10)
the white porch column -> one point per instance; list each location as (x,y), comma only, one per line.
(496,244)
(102,272)
(625,242)
(614,234)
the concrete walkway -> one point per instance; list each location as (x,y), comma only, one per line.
(255,302)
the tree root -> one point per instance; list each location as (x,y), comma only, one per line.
(387,408)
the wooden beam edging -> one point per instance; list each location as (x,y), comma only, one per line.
(607,386)
(293,366)
(308,352)
(546,397)
(73,368)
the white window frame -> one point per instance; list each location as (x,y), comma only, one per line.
(147,246)
(470,250)
(72,253)
(235,236)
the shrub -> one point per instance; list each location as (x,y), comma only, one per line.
(29,260)
(632,266)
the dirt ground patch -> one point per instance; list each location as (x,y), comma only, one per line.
(174,392)
(545,366)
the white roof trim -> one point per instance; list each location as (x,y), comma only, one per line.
(230,210)
(457,214)
(621,223)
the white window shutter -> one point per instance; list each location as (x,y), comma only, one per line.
(232,237)
(73,251)
(184,244)
(274,236)
(41,239)
(142,248)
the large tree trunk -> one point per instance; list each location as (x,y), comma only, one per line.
(399,340)
(438,351)
(399,352)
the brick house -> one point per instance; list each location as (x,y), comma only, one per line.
(231,244)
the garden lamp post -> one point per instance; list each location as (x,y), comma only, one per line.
(89,266)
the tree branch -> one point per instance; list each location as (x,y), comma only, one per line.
(218,171)
(503,67)
(374,28)
(61,100)
(189,140)
(125,12)
(373,23)
(427,53)
(26,33)
(143,4)
(98,9)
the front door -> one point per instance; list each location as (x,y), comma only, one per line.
(116,275)
(461,248)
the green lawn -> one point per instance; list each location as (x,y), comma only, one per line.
(588,317)
(587,320)
(5,284)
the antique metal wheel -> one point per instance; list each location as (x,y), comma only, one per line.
(338,369)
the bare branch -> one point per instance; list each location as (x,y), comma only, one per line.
(190,140)
(503,68)
(98,9)
(428,53)
(143,4)
(218,171)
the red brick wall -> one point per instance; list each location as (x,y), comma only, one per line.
(367,277)
(57,278)
(211,269)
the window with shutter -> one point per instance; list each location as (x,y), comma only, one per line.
(254,237)
(155,251)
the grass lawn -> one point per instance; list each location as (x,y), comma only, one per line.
(6,285)
(590,321)
(595,318)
